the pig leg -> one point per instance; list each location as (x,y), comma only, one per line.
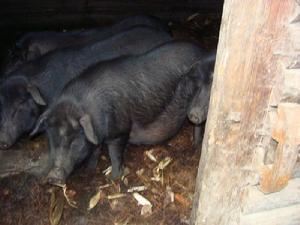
(93,159)
(198,134)
(115,149)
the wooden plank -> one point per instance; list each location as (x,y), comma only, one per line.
(282,216)
(291,90)
(258,201)
(246,67)
(296,172)
(19,161)
(286,132)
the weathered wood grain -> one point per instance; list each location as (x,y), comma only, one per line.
(281,216)
(258,201)
(296,172)
(14,162)
(286,132)
(247,67)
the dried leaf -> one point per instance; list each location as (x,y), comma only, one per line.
(141,199)
(57,203)
(158,171)
(150,155)
(107,171)
(147,206)
(115,196)
(94,200)
(156,178)
(164,163)
(140,172)
(105,186)
(137,189)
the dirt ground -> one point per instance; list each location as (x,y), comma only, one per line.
(166,173)
(24,200)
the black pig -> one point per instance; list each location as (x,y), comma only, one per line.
(35,44)
(198,109)
(135,99)
(24,93)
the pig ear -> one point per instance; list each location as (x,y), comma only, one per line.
(87,126)
(40,125)
(36,95)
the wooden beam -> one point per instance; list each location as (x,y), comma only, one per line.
(296,172)
(247,66)
(286,132)
(281,216)
(258,201)
(19,161)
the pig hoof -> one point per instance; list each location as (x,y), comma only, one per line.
(116,174)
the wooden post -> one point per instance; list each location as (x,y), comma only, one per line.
(255,48)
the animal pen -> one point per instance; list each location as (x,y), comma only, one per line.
(249,168)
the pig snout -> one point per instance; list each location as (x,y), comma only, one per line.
(4,145)
(197,115)
(5,141)
(57,176)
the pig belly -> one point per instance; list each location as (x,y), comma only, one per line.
(168,123)
(155,133)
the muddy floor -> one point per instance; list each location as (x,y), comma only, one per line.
(157,188)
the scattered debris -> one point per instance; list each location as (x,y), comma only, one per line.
(182,200)
(164,163)
(137,189)
(158,171)
(140,172)
(57,203)
(150,155)
(94,200)
(105,186)
(140,199)
(146,204)
(169,198)
(116,196)
(107,171)
(71,202)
